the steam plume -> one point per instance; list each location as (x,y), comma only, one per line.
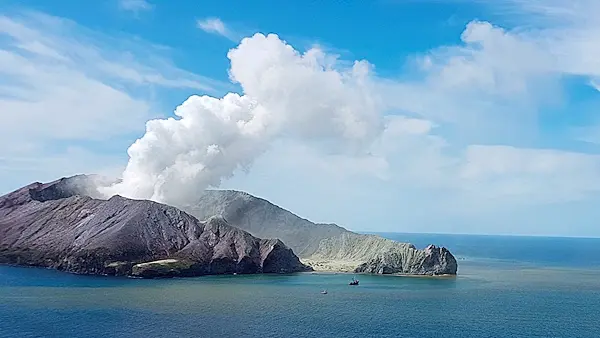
(286,94)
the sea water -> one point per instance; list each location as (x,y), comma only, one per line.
(506,287)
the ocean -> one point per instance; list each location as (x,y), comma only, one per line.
(506,287)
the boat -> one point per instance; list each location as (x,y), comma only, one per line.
(324,292)
(353,282)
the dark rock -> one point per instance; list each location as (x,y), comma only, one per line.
(57,225)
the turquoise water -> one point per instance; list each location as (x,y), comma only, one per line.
(497,294)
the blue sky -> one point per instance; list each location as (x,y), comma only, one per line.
(462,116)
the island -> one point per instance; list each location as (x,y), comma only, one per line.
(67,225)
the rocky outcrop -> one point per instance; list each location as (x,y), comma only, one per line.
(262,218)
(324,246)
(377,255)
(58,225)
(430,261)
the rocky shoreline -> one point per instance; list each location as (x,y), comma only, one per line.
(377,255)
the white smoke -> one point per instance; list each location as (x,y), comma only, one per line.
(308,96)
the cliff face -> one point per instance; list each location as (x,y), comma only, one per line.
(374,254)
(323,246)
(51,225)
(264,219)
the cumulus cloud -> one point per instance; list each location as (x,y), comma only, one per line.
(286,95)
(489,88)
(495,85)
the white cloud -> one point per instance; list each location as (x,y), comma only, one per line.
(217,26)
(564,33)
(135,6)
(489,88)
(529,176)
(495,85)
(45,94)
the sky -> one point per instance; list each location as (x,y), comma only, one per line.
(457,116)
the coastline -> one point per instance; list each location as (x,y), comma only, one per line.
(348,267)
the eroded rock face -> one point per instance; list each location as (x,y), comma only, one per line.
(374,254)
(52,225)
(431,261)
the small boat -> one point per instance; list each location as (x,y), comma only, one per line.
(324,292)
(353,282)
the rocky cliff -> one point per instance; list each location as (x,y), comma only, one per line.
(323,246)
(56,225)
(374,254)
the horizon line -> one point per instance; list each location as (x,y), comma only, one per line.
(475,234)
